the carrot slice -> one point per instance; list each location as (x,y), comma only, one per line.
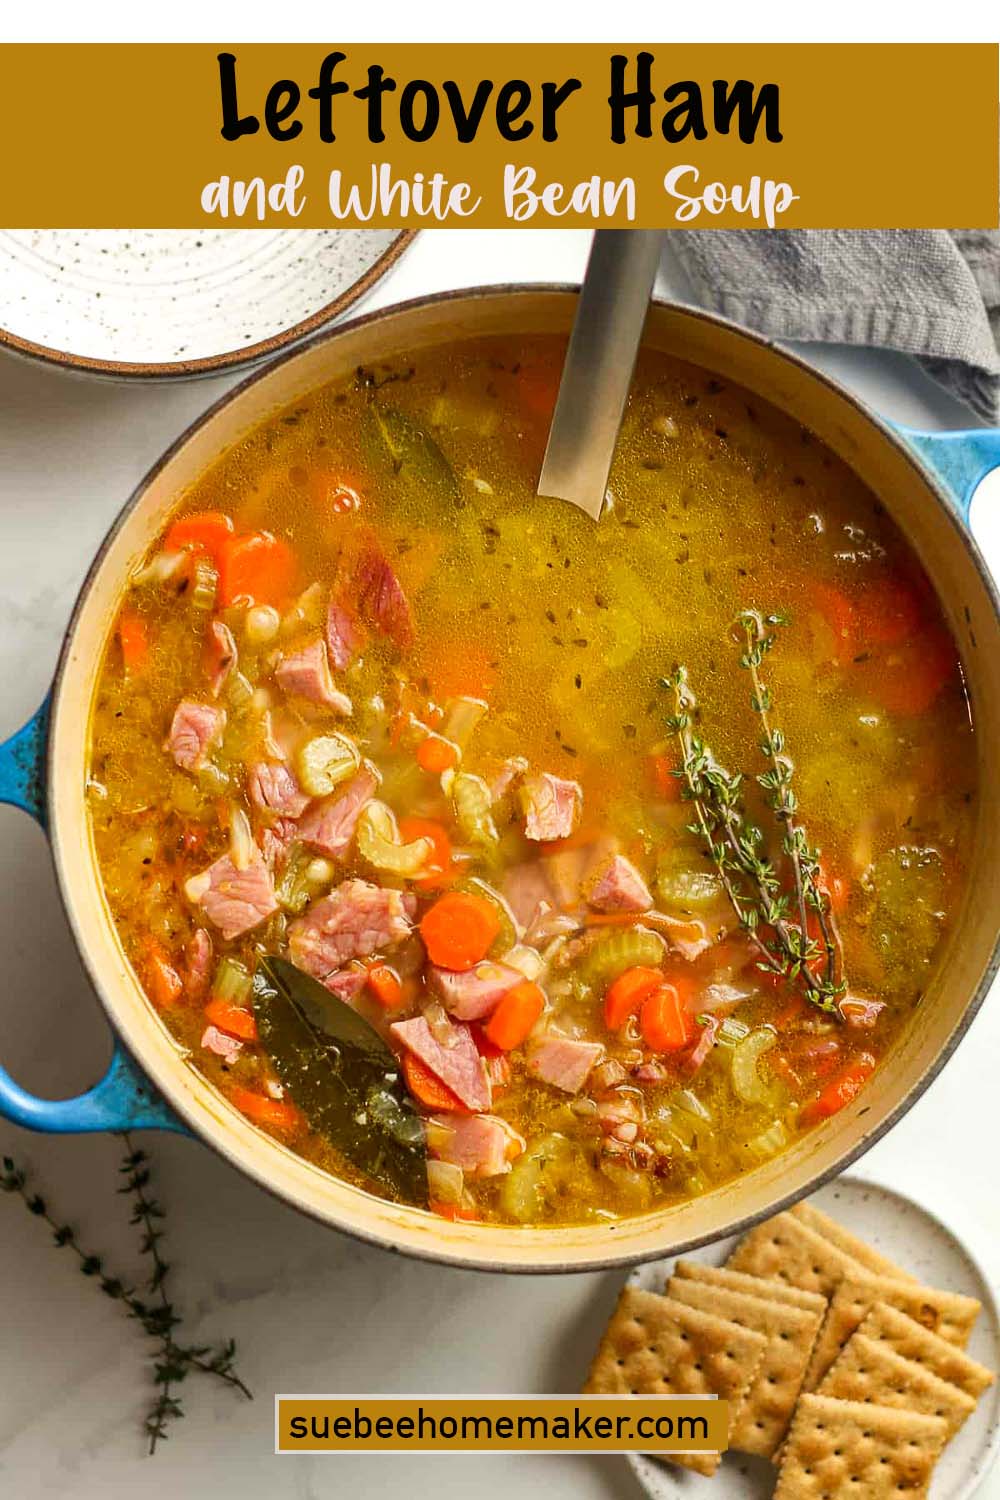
(889,612)
(133,638)
(257,567)
(162,980)
(385,985)
(275,1114)
(910,677)
(438,866)
(453,1211)
(665,1025)
(459,930)
(427,1088)
(514,1018)
(436,755)
(627,993)
(844,1088)
(661,770)
(205,531)
(232,1019)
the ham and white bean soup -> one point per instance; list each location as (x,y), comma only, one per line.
(611,859)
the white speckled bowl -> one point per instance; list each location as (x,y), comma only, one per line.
(179,302)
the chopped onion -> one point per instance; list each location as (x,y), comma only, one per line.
(160,568)
(690,1102)
(439,1025)
(527,961)
(461,719)
(241,845)
(445,1181)
(723,996)
(747,1081)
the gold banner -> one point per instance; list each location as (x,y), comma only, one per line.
(511,1424)
(376,135)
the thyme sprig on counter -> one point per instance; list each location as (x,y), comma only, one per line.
(172,1361)
(776,920)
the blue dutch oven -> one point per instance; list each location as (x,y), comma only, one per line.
(925,480)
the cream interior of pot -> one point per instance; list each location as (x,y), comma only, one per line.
(933,529)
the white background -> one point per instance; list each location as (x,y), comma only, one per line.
(311,1311)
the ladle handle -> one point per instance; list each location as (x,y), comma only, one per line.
(600,360)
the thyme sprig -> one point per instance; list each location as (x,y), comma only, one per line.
(172,1361)
(775,920)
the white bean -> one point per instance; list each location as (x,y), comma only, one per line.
(262,624)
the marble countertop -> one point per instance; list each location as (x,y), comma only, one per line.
(310,1310)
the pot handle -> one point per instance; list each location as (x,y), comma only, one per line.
(123,1099)
(961,459)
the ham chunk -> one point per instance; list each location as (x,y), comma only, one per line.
(195,729)
(354,921)
(456,1061)
(329,826)
(234,901)
(526,888)
(306,674)
(615,885)
(344,636)
(220,656)
(226,1047)
(482,1145)
(276,843)
(380,599)
(563,1062)
(197,965)
(274,788)
(347,984)
(476,993)
(551,806)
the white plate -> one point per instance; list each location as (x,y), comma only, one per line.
(915,1240)
(179,301)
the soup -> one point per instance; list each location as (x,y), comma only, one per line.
(521,869)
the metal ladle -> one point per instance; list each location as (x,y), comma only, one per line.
(600,359)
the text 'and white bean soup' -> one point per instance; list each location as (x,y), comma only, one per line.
(517,868)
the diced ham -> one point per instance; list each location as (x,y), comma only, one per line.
(482,1145)
(306,674)
(276,843)
(226,1047)
(344,636)
(458,1064)
(702,1048)
(526,889)
(617,1111)
(379,596)
(234,901)
(505,777)
(347,984)
(354,921)
(563,1062)
(859,1012)
(551,806)
(197,964)
(329,826)
(615,885)
(220,656)
(477,992)
(195,729)
(274,788)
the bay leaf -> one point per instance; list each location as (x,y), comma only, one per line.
(342,1075)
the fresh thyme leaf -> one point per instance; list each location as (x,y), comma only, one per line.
(172,1362)
(776,921)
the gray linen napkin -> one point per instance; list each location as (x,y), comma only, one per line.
(932,293)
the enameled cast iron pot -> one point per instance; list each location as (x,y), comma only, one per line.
(925,481)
